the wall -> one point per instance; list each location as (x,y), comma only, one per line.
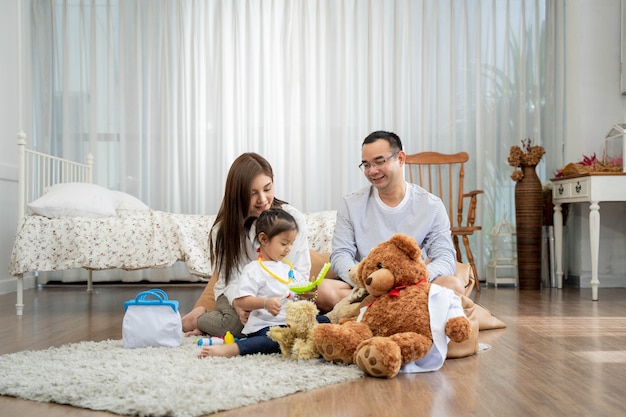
(12,120)
(593,104)
(593,98)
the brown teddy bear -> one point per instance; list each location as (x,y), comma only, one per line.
(407,323)
(295,340)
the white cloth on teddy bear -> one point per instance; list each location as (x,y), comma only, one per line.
(443,304)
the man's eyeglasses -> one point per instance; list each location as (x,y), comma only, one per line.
(376,163)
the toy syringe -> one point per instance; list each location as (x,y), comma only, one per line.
(209,341)
(302,287)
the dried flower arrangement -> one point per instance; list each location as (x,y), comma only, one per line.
(589,164)
(527,155)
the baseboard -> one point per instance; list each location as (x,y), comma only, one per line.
(584,281)
(10,285)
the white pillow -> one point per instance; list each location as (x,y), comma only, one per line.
(128,202)
(75,199)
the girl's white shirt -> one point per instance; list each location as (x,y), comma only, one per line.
(255,281)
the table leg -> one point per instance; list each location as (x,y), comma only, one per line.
(594,240)
(558,243)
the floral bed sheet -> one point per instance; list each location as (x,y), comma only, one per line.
(130,241)
(135,240)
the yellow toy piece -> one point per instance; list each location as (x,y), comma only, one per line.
(229,339)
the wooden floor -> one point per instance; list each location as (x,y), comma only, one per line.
(561,355)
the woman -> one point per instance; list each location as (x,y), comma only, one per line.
(249,190)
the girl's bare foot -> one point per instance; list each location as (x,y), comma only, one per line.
(227,351)
(190,320)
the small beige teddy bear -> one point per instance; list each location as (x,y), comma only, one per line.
(295,339)
(350,306)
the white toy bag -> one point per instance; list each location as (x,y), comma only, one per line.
(151,319)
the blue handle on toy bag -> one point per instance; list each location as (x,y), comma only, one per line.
(159,297)
(155,292)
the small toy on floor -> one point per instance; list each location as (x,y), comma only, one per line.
(228,339)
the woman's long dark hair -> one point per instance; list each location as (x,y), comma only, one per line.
(229,247)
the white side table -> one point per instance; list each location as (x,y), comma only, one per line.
(592,188)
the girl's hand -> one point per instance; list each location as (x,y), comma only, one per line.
(309,295)
(273,305)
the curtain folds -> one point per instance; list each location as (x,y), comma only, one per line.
(166,94)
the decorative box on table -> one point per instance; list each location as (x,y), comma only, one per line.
(615,146)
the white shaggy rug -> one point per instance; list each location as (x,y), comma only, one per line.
(158,381)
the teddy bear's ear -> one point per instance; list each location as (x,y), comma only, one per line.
(407,245)
(359,270)
(353,274)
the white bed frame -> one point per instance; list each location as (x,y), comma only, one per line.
(36,173)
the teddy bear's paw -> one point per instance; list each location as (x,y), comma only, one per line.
(413,346)
(458,329)
(334,353)
(283,338)
(379,357)
(337,343)
(304,350)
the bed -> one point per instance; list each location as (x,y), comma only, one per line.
(105,229)
(65,222)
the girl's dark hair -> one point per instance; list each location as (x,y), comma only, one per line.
(395,144)
(229,247)
(272,222)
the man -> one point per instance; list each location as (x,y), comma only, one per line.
(392,205)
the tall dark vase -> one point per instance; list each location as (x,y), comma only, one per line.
(528,221)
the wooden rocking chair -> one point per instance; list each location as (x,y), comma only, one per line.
(443,175)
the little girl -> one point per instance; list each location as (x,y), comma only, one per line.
(264,285)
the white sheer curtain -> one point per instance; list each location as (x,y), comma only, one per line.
(166,94)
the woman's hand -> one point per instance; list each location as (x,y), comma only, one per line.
(309,295)
(190,320)
(243,314)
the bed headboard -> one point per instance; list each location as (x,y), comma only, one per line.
(37,171)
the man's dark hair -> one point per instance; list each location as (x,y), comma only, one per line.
(394,140)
